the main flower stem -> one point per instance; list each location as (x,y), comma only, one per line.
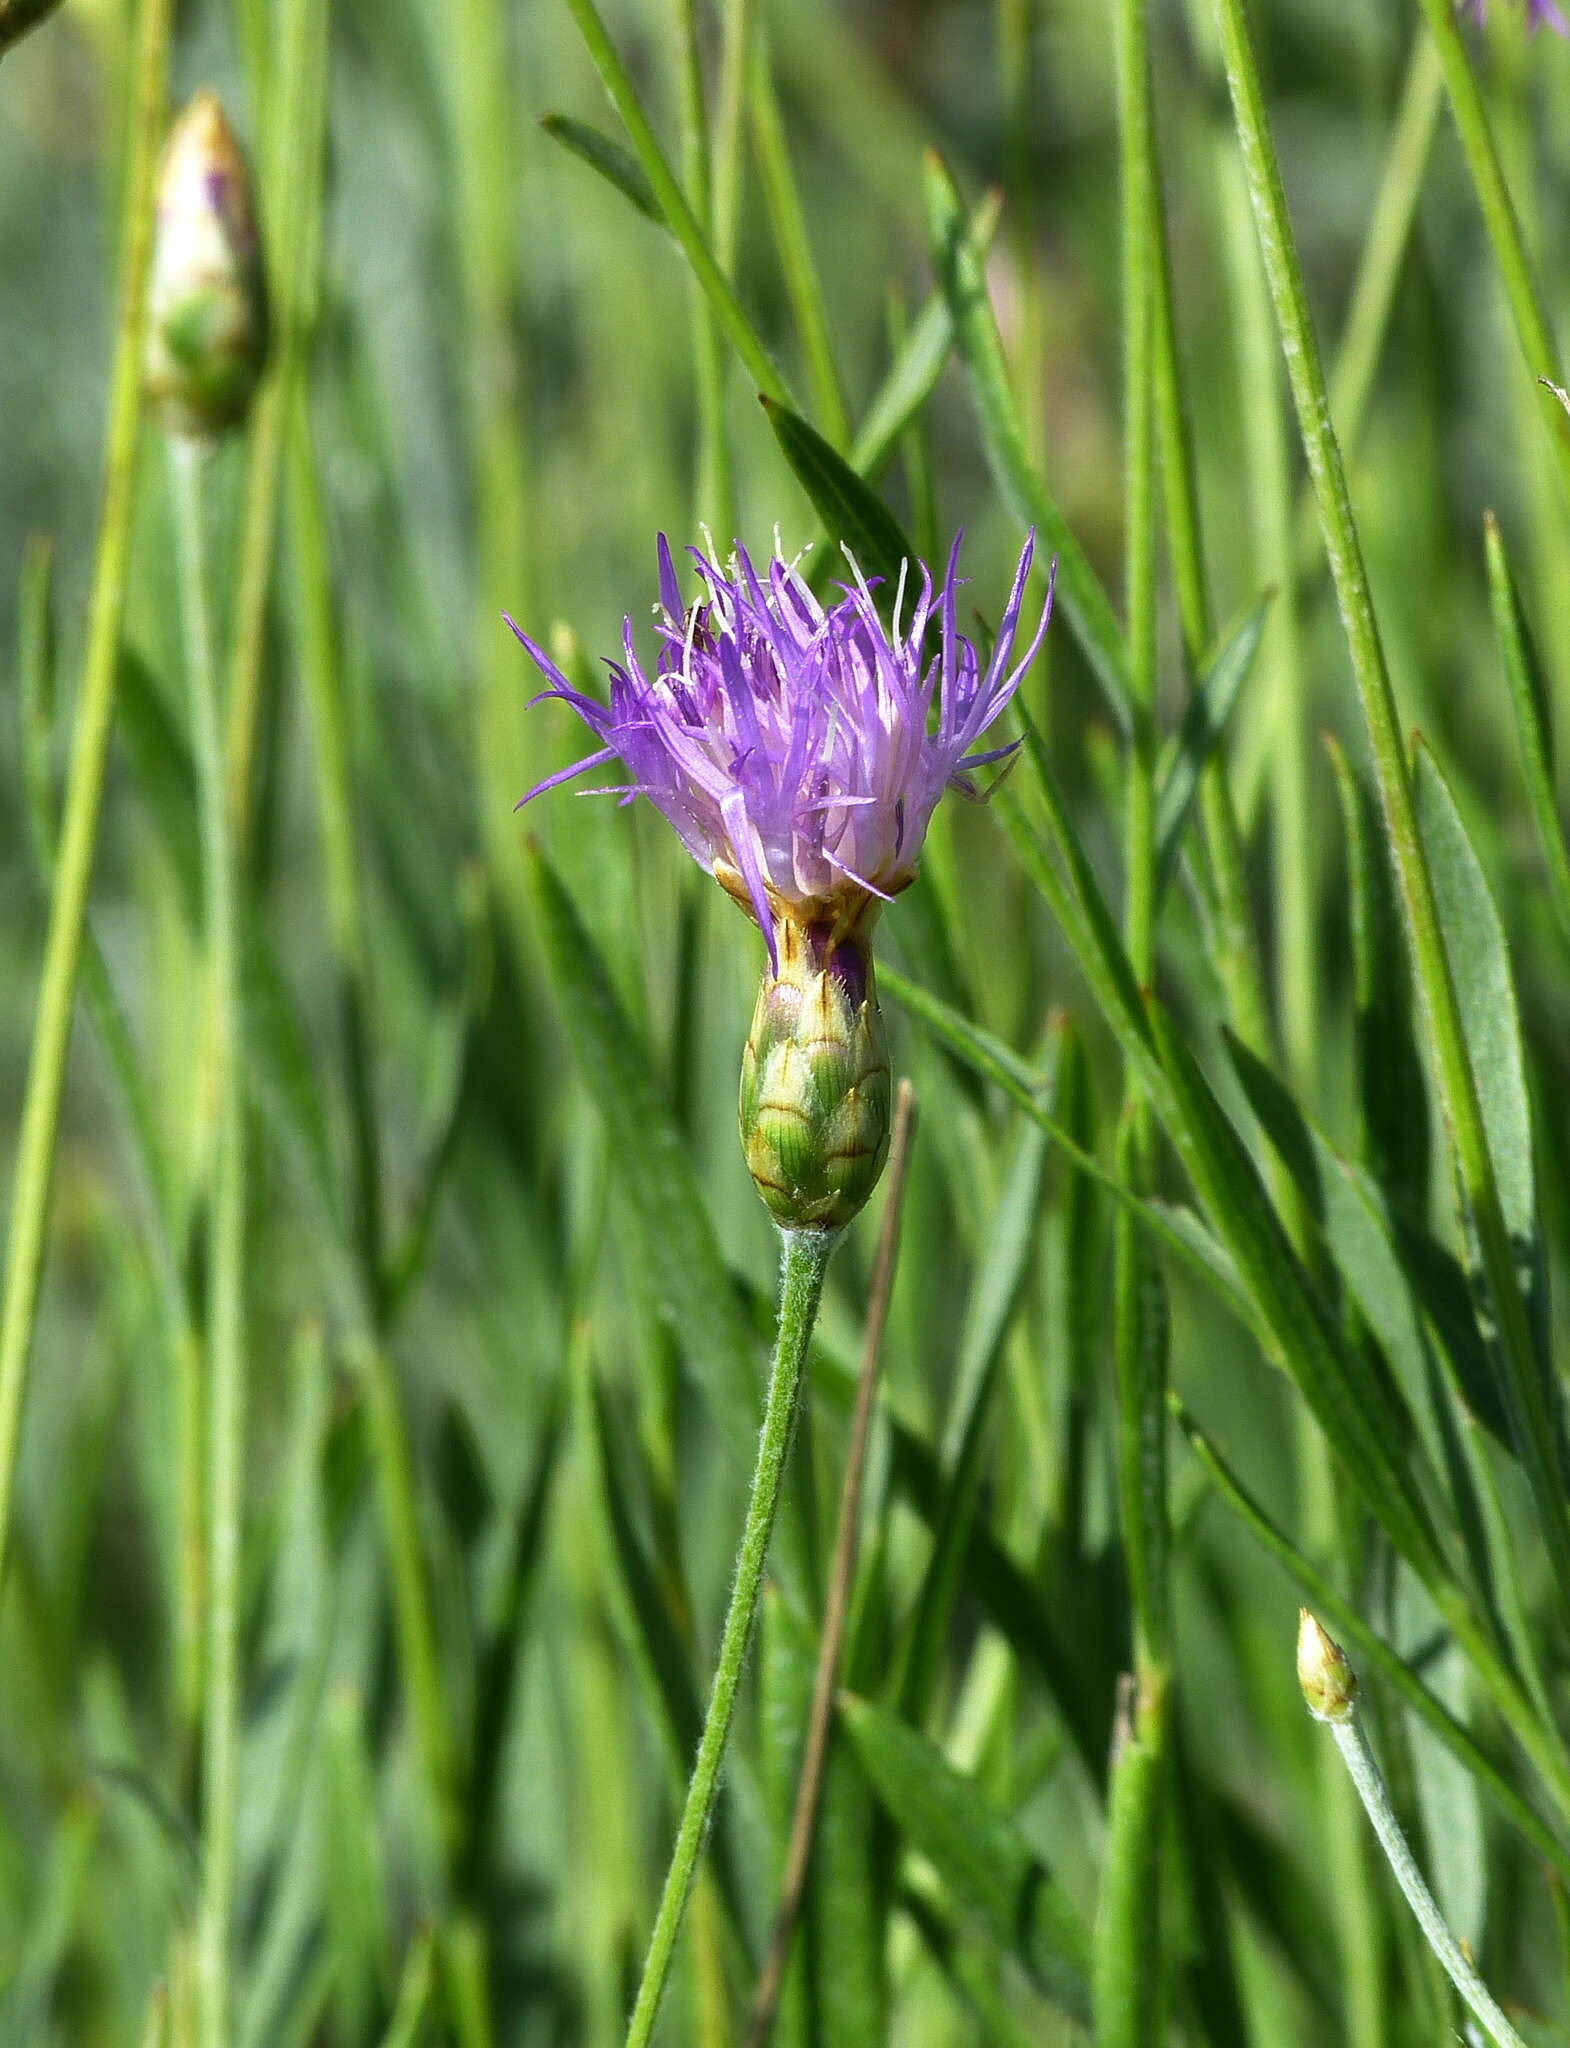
(803,1265)
(1371,1789)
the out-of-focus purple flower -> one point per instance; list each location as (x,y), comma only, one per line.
(799,749)
(1540,13)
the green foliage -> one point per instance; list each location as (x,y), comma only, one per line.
(1252,1084)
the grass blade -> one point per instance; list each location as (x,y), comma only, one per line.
(1196,740)
(1529,701)
(1349,1626)
(854,516)
(980,347)
(988,1867)
(603,153)
(655,1170)
(679,216)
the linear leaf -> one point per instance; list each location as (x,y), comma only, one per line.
(964,282)
(843,1940)
(1205,720)
(1485,993)
(918,363)
(691,1286)
(1529,701)
(1009,1240)
(853,514)
(603,153)
(1180,1231)
(1290,1312)
(1393,1133)
(987,1866)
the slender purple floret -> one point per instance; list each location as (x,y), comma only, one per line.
(1540,13)
(799,749)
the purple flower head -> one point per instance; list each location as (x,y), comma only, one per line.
(1540,13)
(799,749)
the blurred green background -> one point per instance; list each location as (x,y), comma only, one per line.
(500,367)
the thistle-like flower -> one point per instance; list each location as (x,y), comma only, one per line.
(799,750)
(207,302)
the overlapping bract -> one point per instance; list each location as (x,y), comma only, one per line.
(799,749)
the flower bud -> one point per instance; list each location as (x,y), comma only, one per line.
(1329,1683)
(815,1093)
(207,305)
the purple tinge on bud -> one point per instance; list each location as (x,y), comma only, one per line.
(207,301)
(799,749)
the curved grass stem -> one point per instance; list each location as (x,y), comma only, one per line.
(40,1125)
(803,1266)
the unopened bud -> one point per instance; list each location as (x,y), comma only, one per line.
(207,306)
(815,1094)
(1329,1683)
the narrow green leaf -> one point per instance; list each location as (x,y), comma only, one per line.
(1392,1097)
(502,1655)
(654,1170)
(1485,989)
(919,361)
(1290,1315)
(843,1932)
(1348,1215)
(1485,993)
(673,202)
(989,1869)
(1350,1628)
(969,1976)
(1127,1972)
(1529,700)
(964,283)
(1186,754)
(603,153)
(652,1631)
(36,685)
(1451,1806)
(354,1886)
(161,764)
(1180,1231)
(406,2028)
(803,283)
(1009,1595)
(853,514)
(1141,1349)
(1010,1241)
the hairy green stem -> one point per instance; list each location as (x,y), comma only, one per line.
(40,1125)
(226,1349)
(804,1263)
(1371,1789)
